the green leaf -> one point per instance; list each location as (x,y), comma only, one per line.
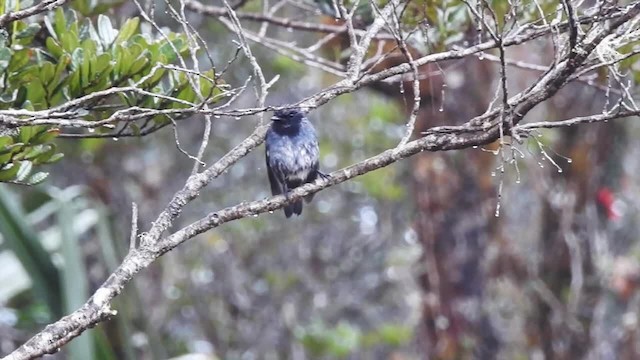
(88,31)
(155,79)
(59,22)
(29,152)
(185,94)
(207,87)
(26,133)
(9,172)
(118,55)
(21,97)
(77,58)
(47,70)
(55,158)
(54,47)
(90,48)
(345,339)
(50,28)
(35,94)
(83,6)
(28,32)
(104,6)
(138,65)
(69,41)
(140,40)
(75,86)
(24,171)
(103,63)
(19,60)
(45,136)
(34,133)
(395,335)
(5,58)
(337,342)
(23,33)
(85,70)
(11,148)
(37,178)
(127,30)
(4,158)
(59,75)
(5,141)
(41,154)
(106,31)
(167,50)
(28,105)
(4,37)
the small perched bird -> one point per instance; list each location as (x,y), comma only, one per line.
(292,155)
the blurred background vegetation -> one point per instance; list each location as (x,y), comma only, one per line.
(407,262)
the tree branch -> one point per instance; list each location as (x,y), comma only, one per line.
(216,11)
(526,128)
(46,5)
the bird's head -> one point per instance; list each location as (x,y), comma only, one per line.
(287,117)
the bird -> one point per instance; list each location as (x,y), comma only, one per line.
(291,149)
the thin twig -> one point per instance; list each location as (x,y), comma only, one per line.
(134,227)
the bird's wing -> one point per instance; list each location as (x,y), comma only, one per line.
(273,181)
(313,173)
(314,154)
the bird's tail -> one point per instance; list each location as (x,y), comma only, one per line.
(295,208)
(308,198)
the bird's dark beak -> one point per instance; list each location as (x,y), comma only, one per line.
(275,118)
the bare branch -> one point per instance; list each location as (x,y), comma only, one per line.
(283,22)
(46,5)
(573,24)
(262,87)
(526,128)
(134,227)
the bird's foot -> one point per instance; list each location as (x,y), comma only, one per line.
(324,176)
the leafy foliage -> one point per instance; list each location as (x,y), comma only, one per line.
(79,58)
(345,338)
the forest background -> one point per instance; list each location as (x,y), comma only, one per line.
(482,199)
